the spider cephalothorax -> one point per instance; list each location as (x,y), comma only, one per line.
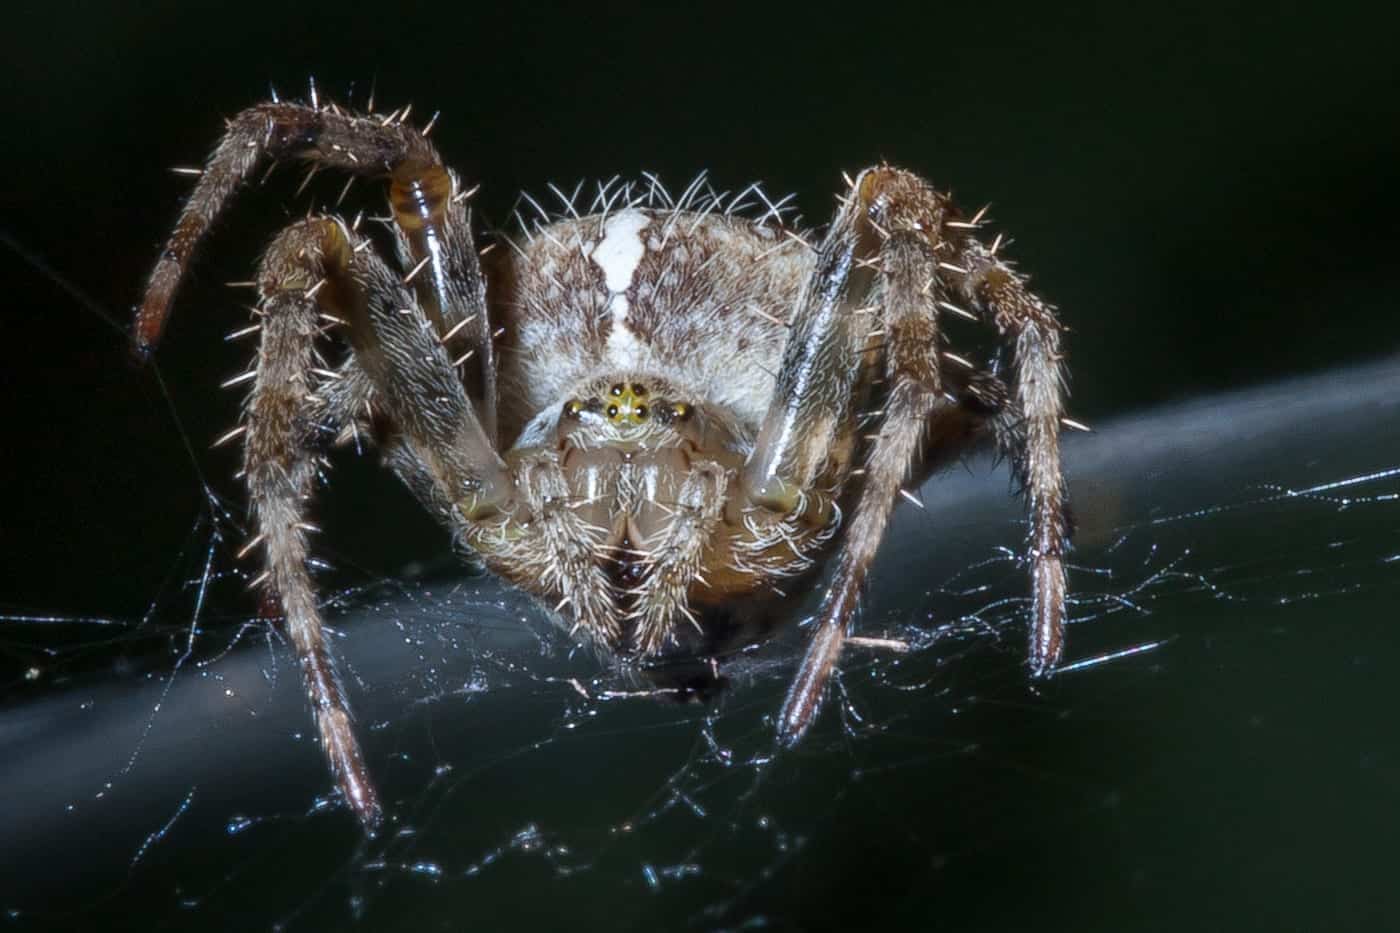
(653,416)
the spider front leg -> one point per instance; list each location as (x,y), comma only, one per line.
(432,222)
(313,267)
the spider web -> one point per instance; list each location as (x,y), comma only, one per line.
(525,782)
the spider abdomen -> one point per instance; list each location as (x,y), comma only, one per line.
(700,299)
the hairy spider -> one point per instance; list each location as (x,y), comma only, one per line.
(649,416)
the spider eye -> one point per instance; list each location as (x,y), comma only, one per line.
(680,410)
(616,389)
(638,389)
(641,411)
(573,408)
(612,411)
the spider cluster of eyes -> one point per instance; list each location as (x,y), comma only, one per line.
(627,405)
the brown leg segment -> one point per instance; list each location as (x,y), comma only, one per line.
(436,246)
(284,414)
(425,196)
(313,266)
(409,368)
(813,395)
(674,557)
(904,211)
(1034,333)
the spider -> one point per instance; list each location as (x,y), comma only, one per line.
(648,416)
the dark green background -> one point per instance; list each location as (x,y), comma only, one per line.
(1209,193)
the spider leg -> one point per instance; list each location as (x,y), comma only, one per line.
(555,549)
(433,226)
(286,420)
(1033,332)
(408,366)
(675,553)
(314,266)
(925,258)
(907,217)
(811,409)
(428,205)
(979,410)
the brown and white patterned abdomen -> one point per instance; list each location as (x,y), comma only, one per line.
(699,299)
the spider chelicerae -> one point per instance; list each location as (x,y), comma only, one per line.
(657,417)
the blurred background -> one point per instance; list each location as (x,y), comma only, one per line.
(1209,192)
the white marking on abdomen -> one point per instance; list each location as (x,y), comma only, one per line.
(621,249)
(618,254)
